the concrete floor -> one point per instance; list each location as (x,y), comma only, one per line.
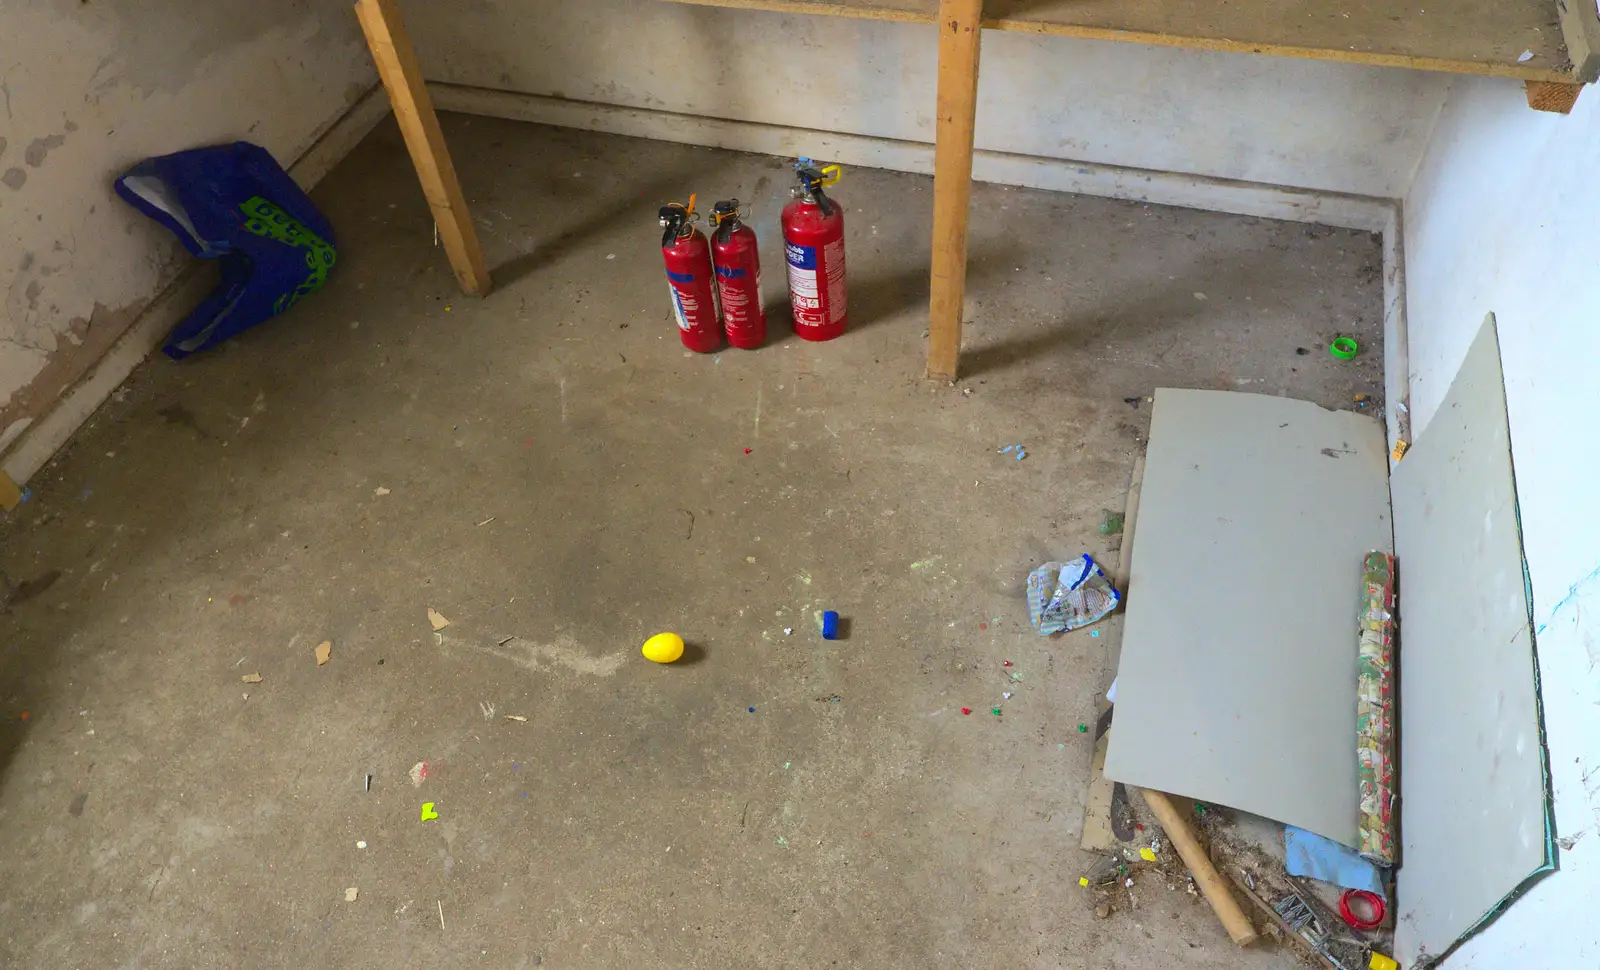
(549,465)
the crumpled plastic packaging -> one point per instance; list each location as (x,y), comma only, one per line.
(1069,595)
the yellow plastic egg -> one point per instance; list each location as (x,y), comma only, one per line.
(663,648)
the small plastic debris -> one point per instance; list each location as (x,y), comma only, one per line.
(428,814)
(1127,883)
(251,678)
(830,625)
(351,894)
(1083,729)
(369,783)
(1148,855)
(1400,447)
(1200,808)
(361,844)
(966,710)
(1111,523)
(1380,961)
(419,774)
(437,620)
(1008,449)
(1021,454)
(505,640)
(1525,57)
(1094,633)
(516,717)
(1066,596)
(995,711)
(1005,695)
(324,652)
(1344,348)
(752,710)
(747,450)
(1083,880)
(1005,663)
(788,630)
(380,491)
(486,521)
(1362,909)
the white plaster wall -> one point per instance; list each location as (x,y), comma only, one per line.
(1308,124)
(1505,218)
(87,89)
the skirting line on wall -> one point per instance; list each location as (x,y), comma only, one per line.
(1005,168)
(39,442)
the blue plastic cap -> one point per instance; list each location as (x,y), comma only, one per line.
(830,625)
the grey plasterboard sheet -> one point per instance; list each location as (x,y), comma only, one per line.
(1237,683)
(1475,824)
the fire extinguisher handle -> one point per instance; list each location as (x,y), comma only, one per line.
(823,202)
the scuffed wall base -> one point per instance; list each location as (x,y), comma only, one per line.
(43,438)
(1032,171)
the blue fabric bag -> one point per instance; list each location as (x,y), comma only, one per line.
(233,203)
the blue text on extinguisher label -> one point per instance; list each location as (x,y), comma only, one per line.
(730,273)
(803,276)
(680,277)
(801,257)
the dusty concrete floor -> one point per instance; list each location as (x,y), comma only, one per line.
(549,465)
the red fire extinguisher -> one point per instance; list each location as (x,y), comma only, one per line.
(813,243)
(688,258)
(733,250)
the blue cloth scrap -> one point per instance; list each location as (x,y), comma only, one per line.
(234,204)
(1309,854)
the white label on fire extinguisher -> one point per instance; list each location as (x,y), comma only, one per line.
(803,289)
(834,252)
(677,307)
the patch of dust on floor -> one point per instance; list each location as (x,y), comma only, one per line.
(563,654)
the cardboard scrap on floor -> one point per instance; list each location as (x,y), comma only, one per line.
(324,652)
(437,620)
(1238,672)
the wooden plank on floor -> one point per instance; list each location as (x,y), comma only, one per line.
(1499,38)
(959,34)
(10,493)
(413,110)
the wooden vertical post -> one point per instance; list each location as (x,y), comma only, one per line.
(959,33)
(413,110)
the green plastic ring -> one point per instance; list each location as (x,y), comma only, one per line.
(1344,348)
